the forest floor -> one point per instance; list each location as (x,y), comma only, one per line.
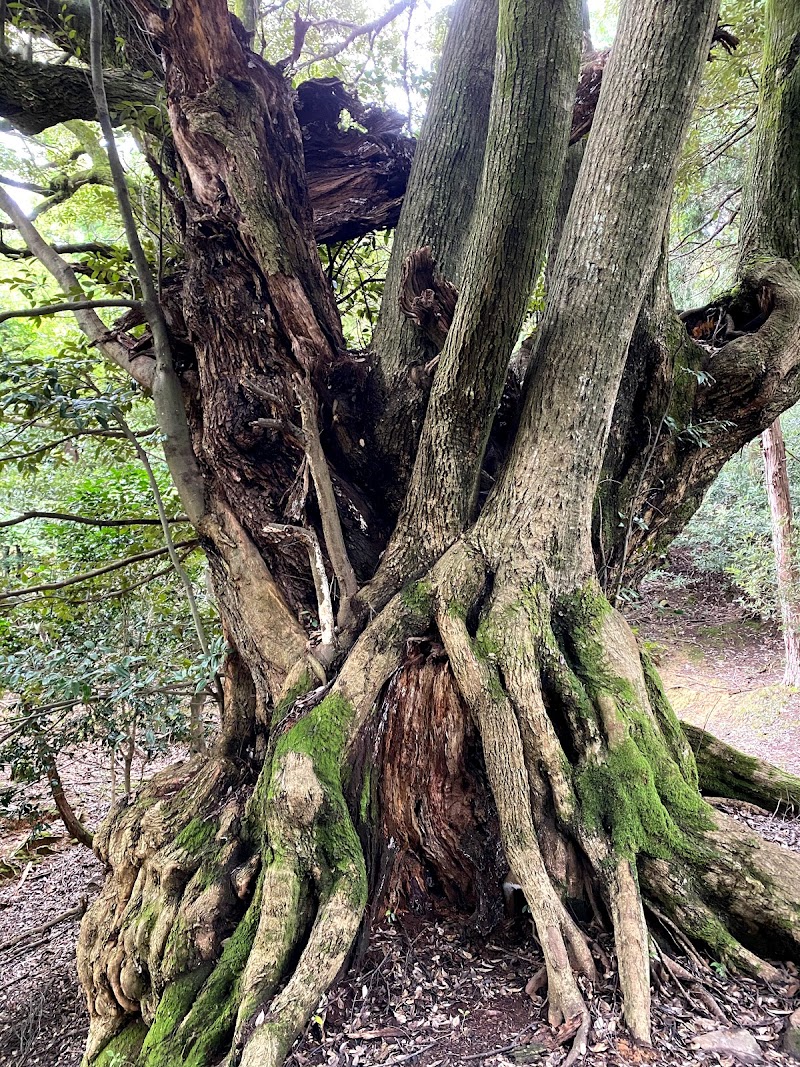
(427,994)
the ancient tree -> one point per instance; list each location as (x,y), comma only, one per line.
(445,519)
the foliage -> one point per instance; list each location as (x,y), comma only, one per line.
(704,227)
(110,660)
(731,531)
(356,270)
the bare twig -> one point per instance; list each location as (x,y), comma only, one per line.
(328,510)
(369,29)
(167,392)
(86,520)
(13,457)
(164,520)
(68,305)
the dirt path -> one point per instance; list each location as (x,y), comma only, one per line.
(721,667)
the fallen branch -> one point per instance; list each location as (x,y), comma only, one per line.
(36,931)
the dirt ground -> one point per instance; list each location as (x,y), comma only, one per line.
(426,993)
(722,667)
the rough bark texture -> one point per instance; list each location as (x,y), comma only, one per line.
(527,138)
(446,171)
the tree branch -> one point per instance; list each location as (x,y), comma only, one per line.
(35,96)
(98,572)
(85,520)
(309,538)
(326,499)
(68,305)
(90,323)
(63,249)
(368,29)
(111,434)
(167,392)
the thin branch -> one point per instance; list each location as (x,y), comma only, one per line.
(88,320)
(86,520)
(96,573)
(322,586)
(702,244)
(368,29)
(64,249)
(326,499)
(712,214)
(115,594)
(36,931)
(68,305)
(164,520)
(167,392)
(111,434)
(31,187)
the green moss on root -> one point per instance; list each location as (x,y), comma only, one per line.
(302,686)
(640,799)
(123,1050)
(210,1022)
(644,792)
(418,598)
(176,1001)
(195,835)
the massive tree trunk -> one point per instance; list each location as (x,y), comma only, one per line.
(238,882)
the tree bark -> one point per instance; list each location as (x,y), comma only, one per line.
(239,881)
(776,476)
(725,772)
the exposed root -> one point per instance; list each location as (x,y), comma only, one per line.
(723,771)
(505,765)
(181,875)
(197,949)
(192,949)
(331,939)
(633,956)
(579,739)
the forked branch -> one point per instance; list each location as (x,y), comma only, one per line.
(308,537)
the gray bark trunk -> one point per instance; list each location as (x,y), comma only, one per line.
(787,573)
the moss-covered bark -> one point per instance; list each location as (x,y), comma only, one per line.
(725,772)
